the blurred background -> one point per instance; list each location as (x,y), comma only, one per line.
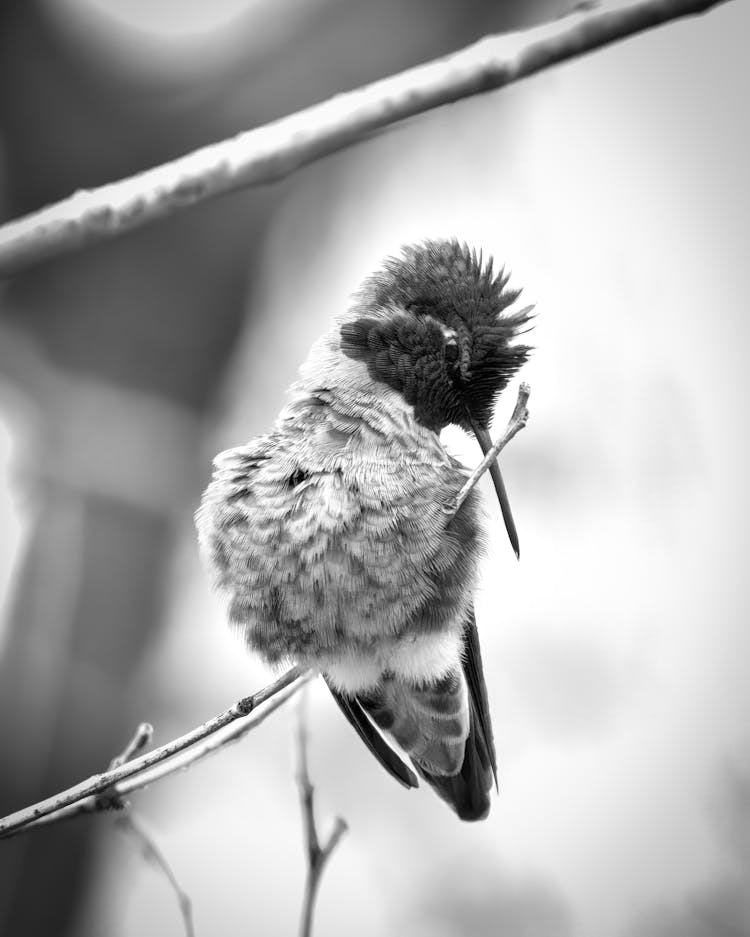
(615,189)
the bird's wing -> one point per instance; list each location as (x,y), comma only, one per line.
(358,718)
(480,707)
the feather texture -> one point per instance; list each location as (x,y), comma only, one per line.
(330,538)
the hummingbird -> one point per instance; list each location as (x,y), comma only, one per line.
(329,535)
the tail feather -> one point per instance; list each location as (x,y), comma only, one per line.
(444,726)
(468,791)
(382,751)
(428,720)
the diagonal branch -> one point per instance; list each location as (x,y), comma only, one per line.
(151,852)
(275,150)
(128,824)
(107,789)
(517,422)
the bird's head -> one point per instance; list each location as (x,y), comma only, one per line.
(435,325)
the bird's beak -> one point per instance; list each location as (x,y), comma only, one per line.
(484,440)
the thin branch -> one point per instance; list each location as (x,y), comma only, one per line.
(214,742)
(113,798)
(134,828)
(106,789)
(275,150)
(518,420)
(317,855)
(141,737)
(128,824)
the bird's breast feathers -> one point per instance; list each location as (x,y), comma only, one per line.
(332,542)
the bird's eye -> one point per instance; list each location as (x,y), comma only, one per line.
(451,351)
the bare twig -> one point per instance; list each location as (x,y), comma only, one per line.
(271,152)
(517,422)
(106,790)
(214,742)
(114,797)
(141,737)
(111,798)
(128,824)
(317,855)
(133,827)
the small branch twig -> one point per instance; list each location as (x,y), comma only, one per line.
(271,152)
(216,741)
(317,855)
(141,737)
(518,420)
(106,790)
(129,825)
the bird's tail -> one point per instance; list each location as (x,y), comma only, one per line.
(444,725)
(438,726)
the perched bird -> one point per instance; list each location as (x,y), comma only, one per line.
(330,535)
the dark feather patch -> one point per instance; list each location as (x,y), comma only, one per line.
(443,279)
(407,354)
(445,341)
(297,477)
(478,691)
